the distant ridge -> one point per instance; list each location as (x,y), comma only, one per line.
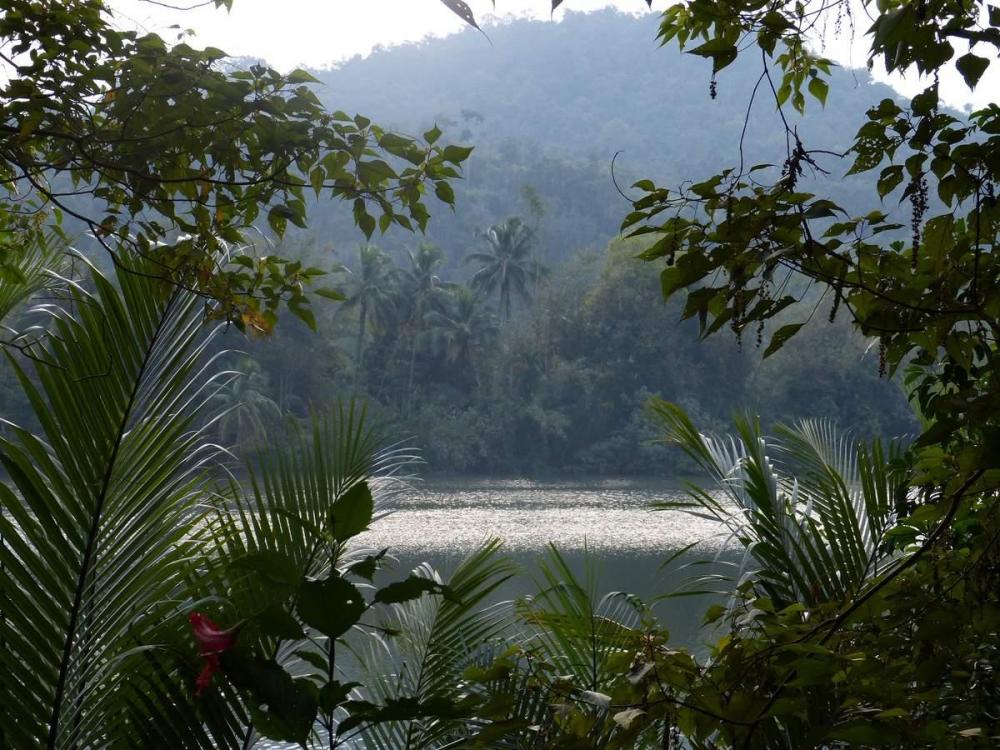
(548,105)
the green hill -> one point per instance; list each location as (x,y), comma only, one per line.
(561,386)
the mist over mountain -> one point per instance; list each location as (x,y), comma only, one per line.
(557,378)
(549,105)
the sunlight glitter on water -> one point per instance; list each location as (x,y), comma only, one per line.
(604,515)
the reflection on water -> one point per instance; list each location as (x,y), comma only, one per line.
(607,516)
(609,521)
(441,521)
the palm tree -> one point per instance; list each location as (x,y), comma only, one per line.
(94,526)
(506,266)
(246,410)
(372,292)
(810,508)
(110,534)
(35,262)
(421,289)
(439,639)
(461,328)
(567,645)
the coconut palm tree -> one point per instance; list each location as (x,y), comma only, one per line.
(371,291)
(246,410)
(421,290)
(461,328)
(114,535)
(506,267)
(34,262)
(439,639)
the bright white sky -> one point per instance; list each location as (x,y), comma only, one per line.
(318,33)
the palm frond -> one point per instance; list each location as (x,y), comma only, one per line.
(438,638)
(575,628)
(282,507)
(95,522)
(37,261)
(810,508)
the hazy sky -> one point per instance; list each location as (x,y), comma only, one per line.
(318,33)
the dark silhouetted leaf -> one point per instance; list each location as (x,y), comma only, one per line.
(351,512)
(331,606)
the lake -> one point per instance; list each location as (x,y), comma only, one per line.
(610,520)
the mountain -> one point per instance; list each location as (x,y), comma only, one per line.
(562,386)
(549,105)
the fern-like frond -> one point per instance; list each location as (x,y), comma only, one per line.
(95,522)
(437,639)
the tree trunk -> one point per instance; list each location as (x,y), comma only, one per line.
(360,351)
(409,385)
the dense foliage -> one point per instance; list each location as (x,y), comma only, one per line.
(154,148)
(560,385)
(155,592)
(841,667)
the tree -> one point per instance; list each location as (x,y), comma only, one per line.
(461,328)
(149,600)
(372,291)
(930,299)
(155,149)
(927,289)
(117,389)
(246,409)
(507,266)
(421,289)
(930,296)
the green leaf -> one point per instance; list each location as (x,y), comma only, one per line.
(366,223)
(367,568)
(301,76)
(819,89)
(276,622)
(444,192)
(351,512)
(889,179)
(331,293)
(432,135)
(286,212)
(301,311)
(721,51)
(331,606)
(282,708)
(713,613)
(972,68)
(457,154)
(375,171)
(411,588)
(821,209)
(274,567)
(332,694)
(780,337)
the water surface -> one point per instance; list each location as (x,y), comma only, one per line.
(605,523)
(603,515)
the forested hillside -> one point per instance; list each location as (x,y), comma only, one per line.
(561,383)
(554,374)
(548,105)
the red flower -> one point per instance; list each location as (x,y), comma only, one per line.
(204,678)
(212,641)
